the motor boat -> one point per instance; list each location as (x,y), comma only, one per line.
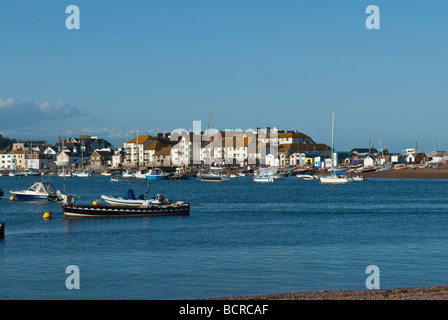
(156,174)
(307,177)
(215,175)
(39,191)
(128,174)
(264,179)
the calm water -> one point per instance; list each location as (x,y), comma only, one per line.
(245,239)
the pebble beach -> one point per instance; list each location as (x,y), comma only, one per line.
(423,293)
(414,173)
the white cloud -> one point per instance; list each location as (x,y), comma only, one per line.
(16,114)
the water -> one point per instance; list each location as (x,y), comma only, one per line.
(245,239)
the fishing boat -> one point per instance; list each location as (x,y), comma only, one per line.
(263,179)
(39,191)
(100,211)
(215,175)
(159,206)
(156,174)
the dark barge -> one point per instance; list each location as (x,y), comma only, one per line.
(100,211)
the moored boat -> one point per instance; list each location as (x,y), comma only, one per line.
(307,177)
(39,191)
(128,174)
(129,199)
(335,179)
(156,174)
(215,175)
(148,208)
(263,179)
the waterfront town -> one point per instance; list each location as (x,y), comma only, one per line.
(267,147)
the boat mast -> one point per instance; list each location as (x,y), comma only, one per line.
(332,141)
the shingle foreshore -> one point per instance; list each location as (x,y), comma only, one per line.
(422,293)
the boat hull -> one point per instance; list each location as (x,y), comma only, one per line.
(122,202)
(91,211)
(163,177)
(214,178)
(263,180)
(333,180)
(32,197)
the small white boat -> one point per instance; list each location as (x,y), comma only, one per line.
(64,174)
(263,179)
(131,200)
(39,191)
(307,177)
(105,173)
(128,174)
(359,178)
(114,179)
(335,179)
(139,175)
(215,175)
(83,174)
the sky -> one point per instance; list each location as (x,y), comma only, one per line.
(158,65)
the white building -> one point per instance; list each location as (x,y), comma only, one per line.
(8,161)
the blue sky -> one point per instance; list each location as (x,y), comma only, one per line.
(159,65)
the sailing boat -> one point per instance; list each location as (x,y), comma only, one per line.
(216,174)
(83,173)
(334,177)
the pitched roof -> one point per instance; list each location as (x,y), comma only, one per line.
(292,135)
(304,147)
(165,151)
(141,139)
(155,145)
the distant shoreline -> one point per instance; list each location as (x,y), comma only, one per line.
(420,293)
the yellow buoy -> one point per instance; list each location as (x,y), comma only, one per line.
(95,203)
(12,198)
(47,215)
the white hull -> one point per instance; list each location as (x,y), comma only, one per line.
(306,177)
(210,177)
(264,179)
(334,180)
(120,201)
